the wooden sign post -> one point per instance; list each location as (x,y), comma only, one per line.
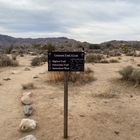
(65,104)
(66,62)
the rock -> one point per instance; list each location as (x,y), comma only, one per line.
(27,69)
(28,94)
(26,100)
(35,77)
(28,110)
(81,115)
(14,72)
(29,137)
(131,96)
(27,125)
(117,132)
(6,79)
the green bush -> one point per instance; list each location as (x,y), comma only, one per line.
(126,72)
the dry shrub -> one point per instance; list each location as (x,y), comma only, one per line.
(104,61)
(96,58)
(126,72)
(28,86)
(135,76)
(74,77)
(113,61)
(36,61)
(44,58)
(130,73)
(7,61)
(39,60)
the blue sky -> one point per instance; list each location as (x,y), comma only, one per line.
(94,21)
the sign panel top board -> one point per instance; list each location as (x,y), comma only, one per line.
(66,61)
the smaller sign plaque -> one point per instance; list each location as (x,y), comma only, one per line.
(66,61)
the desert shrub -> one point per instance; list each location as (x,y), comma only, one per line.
(126,72)
(96,58)
(7,61)
(131,53)
(36,61)
(74,77)
(39,60)
(105,61)
(28,86)
(113,61)
(44,58)
(135,76)
(114,53)
(14,56)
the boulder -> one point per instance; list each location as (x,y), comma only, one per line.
(27,125)
(26,100)
(29,137)
(28,110)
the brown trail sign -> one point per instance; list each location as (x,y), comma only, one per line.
(66,61)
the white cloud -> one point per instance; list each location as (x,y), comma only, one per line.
(85,20)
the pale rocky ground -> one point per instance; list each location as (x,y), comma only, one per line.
(90,117)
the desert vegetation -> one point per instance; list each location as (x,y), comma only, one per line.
(104,98)
(130,73)
(7,61)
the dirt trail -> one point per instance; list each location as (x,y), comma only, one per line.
(90,117)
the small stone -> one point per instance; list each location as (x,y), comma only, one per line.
(6,79)
(28,110)
(27,69)
(28,94)
(27,125)
(117,132)
(131,96)
(81,115)
(35,77)
(14,72)
(26,100)
(29,137)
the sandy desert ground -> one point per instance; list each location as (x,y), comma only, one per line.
(91,116)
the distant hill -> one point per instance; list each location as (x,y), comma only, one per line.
(7,41)
(63,42)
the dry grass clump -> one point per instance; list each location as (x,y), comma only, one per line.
(74,77)
(109,93)
(7,61)
(28,86)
